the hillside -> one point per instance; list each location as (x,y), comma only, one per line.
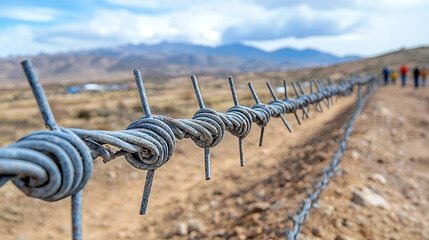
(117,64)
(412,57)
(164,59)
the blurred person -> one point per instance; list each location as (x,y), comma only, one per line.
(424,74)
(386,73)
(404,70)
(416,74)
(393,77)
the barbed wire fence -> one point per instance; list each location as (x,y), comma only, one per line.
(54,164)
(328,173)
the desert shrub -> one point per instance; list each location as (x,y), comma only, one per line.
(189,94)
(84,114)
(137,108)
(171,109)
(121,105)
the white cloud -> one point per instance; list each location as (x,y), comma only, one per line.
(299,21)
(33,14)
(269,4)
(339,26)
(212,24)
(160,4)
(19,40)
(385,31)
(391,5)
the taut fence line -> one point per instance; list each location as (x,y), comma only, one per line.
(328,173)
(54,164)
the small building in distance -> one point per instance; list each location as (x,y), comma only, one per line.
(95,87)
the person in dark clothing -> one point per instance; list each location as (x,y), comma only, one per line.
(416,73)
(386,73)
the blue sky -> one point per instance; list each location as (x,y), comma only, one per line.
(340,26)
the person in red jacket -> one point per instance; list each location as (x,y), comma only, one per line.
(403,70)
(424,75)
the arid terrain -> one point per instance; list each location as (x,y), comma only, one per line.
(380,191)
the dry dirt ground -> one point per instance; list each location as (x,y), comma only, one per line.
(380,192)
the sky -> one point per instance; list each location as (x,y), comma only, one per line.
(342,27)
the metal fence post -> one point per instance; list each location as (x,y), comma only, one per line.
(359,95)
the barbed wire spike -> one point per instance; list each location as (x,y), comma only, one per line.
(39,94)
(307,190)
(331,84)
(147,114)
(50,122)
(301,89)
(290,216)
(206,148)
(255,97)
(297,211)
(299,95)
(302,201)
(287,98)
(304,94)
(312,92)
(317,104)
(324,87)
(277,100)
(319,90)
(237,104)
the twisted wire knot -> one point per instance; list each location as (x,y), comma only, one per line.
(261,114)
(156,141)
(302,101)
(206,128)
(49,165)
(290,104)
(320,96)
(277,108)
(326,92)
(238,120)
(212,126)
(314,98)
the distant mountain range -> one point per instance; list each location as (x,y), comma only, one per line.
(165,59)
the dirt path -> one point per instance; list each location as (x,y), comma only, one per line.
(251,202)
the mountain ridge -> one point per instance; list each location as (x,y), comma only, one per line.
(234,49)
(165,59)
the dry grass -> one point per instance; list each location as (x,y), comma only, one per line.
(172,97)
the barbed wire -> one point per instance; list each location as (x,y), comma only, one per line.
(57,163)
(311,201)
